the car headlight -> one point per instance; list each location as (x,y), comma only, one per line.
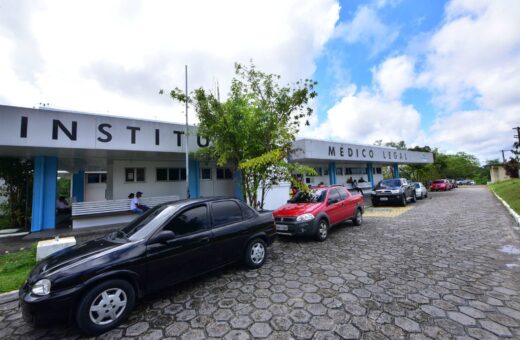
(395,191)
(304,217)
(42,287)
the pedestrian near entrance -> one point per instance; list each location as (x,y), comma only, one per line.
(135,204)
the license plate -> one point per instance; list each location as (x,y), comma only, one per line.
(282,227)
(383,198)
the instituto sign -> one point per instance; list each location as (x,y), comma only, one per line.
(311,149)
(63,129)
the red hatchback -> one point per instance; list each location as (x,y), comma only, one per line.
(440,184)
(313,212)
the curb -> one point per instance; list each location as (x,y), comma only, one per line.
(15,234)
(9,296)
(513,213)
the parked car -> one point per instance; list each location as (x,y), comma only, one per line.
(396,190)
(97,283)
(461,181)
(420,190)
(312,213)
(440,185)
(453,183)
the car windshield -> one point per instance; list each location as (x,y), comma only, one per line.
(439,181)
(389,183)
(143,225)
(417,185)
(312,196)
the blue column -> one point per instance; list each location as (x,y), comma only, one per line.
(44,193)
(396,170)
(238,185)
(332,173)
(370,173)
(78,186)
(194,178)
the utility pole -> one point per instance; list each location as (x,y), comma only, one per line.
(187,139)
(503,156)
(518,133)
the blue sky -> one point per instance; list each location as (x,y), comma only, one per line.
(438,73)
(408,19)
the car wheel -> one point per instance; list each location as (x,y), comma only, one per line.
(358,218)
(105,306)
(323,230)
(426,195)
(403,200)
(375,204)
(414,197)
(256,253)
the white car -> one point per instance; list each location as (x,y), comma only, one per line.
(420,190)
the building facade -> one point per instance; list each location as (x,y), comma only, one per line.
(109,157)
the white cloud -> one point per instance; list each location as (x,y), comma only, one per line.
(394,76)
(367,28)
(475,57)
(115,56)
(364,117)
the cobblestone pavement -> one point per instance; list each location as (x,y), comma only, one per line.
(436,271)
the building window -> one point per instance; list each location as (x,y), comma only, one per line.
(170,174)
(318,171)
(325,171)
(378,170)
(134,174)
(224,173)
(348,171)
(339,171)
(358,171)
(161,174)
(93,178)
(205,173)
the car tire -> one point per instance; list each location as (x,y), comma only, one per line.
(255,253)
(414,197)
(358,218)
(426,195)
(117,296)
(375,204)
(403,200)
(322,232)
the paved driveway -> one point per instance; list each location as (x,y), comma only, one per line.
(434,271)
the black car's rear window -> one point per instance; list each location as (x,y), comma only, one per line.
(312,196)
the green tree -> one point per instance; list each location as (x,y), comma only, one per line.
(17,175)
(254,128)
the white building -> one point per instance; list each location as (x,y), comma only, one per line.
(110,157)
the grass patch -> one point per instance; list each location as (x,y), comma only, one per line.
(509,191)
(14,268)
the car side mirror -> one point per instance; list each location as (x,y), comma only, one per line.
(163,237)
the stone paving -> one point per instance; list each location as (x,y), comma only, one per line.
(434,272)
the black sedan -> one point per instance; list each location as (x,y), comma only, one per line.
(97,283)
(395,190)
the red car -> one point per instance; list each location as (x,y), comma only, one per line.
(314,212)
(440,184)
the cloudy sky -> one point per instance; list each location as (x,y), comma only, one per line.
(438,73)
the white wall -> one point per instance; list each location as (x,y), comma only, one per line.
(150,187)
(277,196)
(95,191)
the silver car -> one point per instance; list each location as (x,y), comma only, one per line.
(420,190)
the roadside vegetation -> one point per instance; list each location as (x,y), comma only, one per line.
(454,166)
(509,191)
(14,268)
